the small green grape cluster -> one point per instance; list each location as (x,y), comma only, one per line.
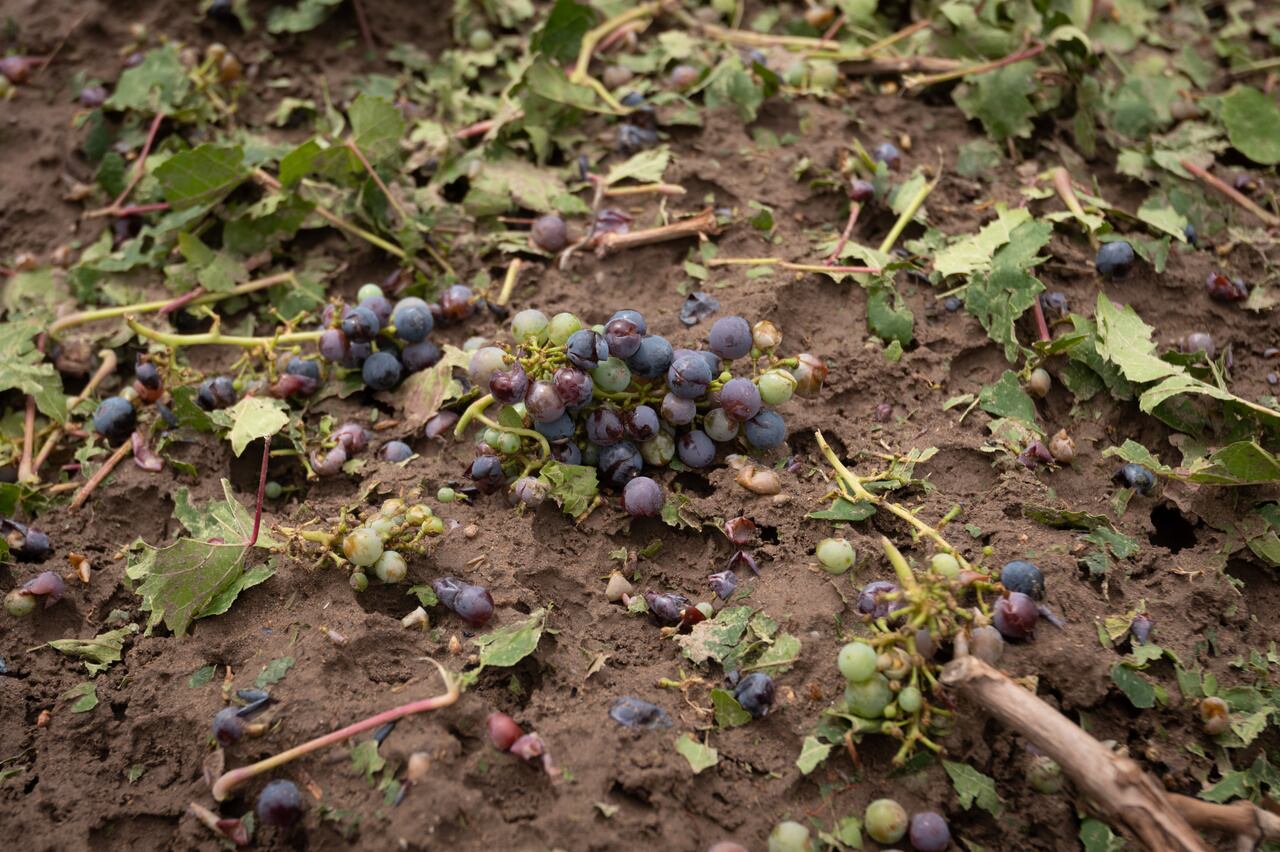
(379,541)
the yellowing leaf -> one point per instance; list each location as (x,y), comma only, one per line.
(700,757)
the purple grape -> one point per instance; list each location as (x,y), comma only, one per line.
(743,559)
(871,601)
(573,386)
(279,804)
(361,325)
(1015,616)
(620,462)
(420,355)
(740,399)
(688,377)
(640,422)
(677,410)
(633,316)
(228,726)
(412,320)
(549,233)
(329,462)
(929,832)
(381,371)
(396,451)
(440,425)
(509,386)
(708,358)
(457,303)
(755,693)
(357,354)
(861,191)
(696,449)
(887,153)
(730,337)
(48,585)
(585,349)
(638,713)
(486,473)
(766,430)
(566,452)
(623,337)
(652,359)
(604,427)
(474,605)
(447,589)
(642,498)
(333,344)
(217,392)
(1140,629)
(380,306)
(543,403)
(666,608)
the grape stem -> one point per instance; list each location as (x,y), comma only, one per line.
(509,281)
(752,39)
(140,167)
(215,336)
(855,485)
(470,414)
(159,305)
(228,781)
(908,213)
(981,68)
(1062,186)
(1114,785)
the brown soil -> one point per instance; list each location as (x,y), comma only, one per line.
(76,795)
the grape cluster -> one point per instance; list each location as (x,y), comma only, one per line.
(386,342)
(623,400)
(379,542)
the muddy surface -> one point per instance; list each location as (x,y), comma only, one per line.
(623,789)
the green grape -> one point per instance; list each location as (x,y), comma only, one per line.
(794,74)
(857,662)
(273,490)
(491,437)
(417,514)
(910,699)
(612,376)
(561,326)
(433,525)
(823,74)
(790,836)
(368,291)
(384,527)
(776,387)
(359,582)
(658,450)
(480,39)
(446,494)
(390,567)
(945,564)
(836,555)
(509,444)
(895,663)
(705,608)
(391,507)
(890,712)
(20,604)
(1044,775)
(362,546)
(885,821)
(530,324)
(868,698)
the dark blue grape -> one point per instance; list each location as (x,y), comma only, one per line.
(620,462)
(708,358)
(730,337)
(688,377)
(566,452)
(1022,576)
(622,337)
(724,584)
(677,410)
(635,317)
(740,399)
(218,392)
(357,354)
(412,321)
(279,804)
(361,325)
(640,422)
(333,344)
(755,693)
(633,138)
(381,371)
(228,726)
(486,473)
(604,427)
(1055,304)
(556,430)
(304,367)
(147,375)
(1135,476)
(585,349)
(1115,259)
(652,359)
(1190,233)
(380,306)
(695,449)
(543,403)
(666,608)
(420,356)
(951,304)
(861,191)
(474,605)
(396,451)
(766,430)
(115,419)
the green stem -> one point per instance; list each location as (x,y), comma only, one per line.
(593,36)
(515,430)
(83,317)
(907,215)
(473,410)
(217,337)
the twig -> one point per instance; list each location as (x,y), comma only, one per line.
(62,42)
(797,267)
(982,68)
(124,451)
(1249,823)
(854,209)
(72,320)
(368,167)
(182,301)
(105,368)
(140,209)
(1230,192)
(831,31)
(644,189)
(26,470)
(1062,185)
(225,784)
(480,128)
(703,223)
(908,213)
(900,65)
(751,39)
(1115,786)
(509,281)
(363,23)
(1042,327)
(593,36)
(890,40)
(113,209)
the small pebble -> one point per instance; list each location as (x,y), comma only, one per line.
(471,531)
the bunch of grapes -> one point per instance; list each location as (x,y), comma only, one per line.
(385,342)
(379,542)
(615,397)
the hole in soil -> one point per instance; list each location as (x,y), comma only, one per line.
(1173,531)
(769,534)
(695,483)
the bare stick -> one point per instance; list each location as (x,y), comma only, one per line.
(223,787)
(1115,786)
(854,209)
(983,68)
(703,223)
(644,189)
(795,267)
(182,301)
(113,209)
(1248,822)
(125,450)
(1232,193)
(26,470)
(509,281)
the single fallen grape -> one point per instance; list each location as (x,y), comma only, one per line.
(549,233)
(755,693)
(273,490)
(362,547)
(396,451)
(445,494)
(887,153)
(457,303)
(857,662)
(228,726)
(474,605)
(642,498)
(1022,576)
(19,604)
(279,804)
(666,608)
(1215,714)
(530,491)
(1015,616)
(790,836)
(1039,383)
(329,462)
(1224,289)
(929,832)
(885,821)
(115,419)
(1135,476)
(390,567)
(1114,259)
(486,473)
(836,555)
